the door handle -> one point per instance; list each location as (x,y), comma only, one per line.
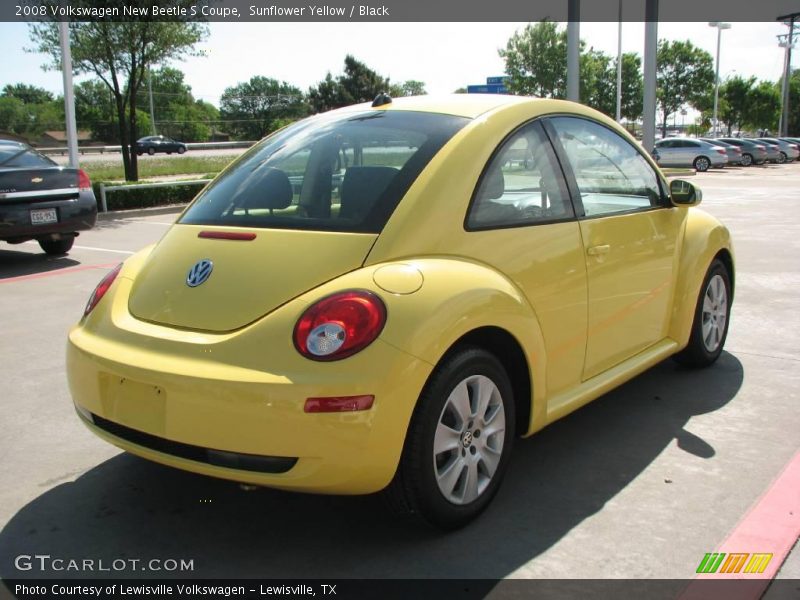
(598,250)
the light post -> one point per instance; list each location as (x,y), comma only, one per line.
(720,26)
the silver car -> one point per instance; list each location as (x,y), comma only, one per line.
(788,150)
(773,150)
(689,152)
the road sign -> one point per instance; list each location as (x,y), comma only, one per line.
(487,89)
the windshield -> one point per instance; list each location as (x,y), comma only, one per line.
(333,172)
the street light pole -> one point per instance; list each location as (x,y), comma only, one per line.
(69,95)
(783,127)
(573,50)
(619,63)
(720,26)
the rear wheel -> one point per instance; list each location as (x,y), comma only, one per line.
(458,443)
(782,158)
(56,247)
(701,163)
(711,317)
(747,160)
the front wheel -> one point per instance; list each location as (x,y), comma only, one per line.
(711,317)
(181,149)
(747,160)
(151,151)
(702,164)
(458,443)
(782,158)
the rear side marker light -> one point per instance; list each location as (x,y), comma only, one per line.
(101,289)
(227,235)
(338,404)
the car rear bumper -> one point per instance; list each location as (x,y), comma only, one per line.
(226,421)
(74,215)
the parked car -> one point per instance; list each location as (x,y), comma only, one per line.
(734,152)
(689,152)
(159,143)
(773,150)
(788,150)
(42,201)
(416,301)
(753,152)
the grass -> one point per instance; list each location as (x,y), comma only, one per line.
(158,167)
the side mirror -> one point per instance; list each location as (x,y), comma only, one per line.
(683,193)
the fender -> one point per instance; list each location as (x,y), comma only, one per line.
(703,239)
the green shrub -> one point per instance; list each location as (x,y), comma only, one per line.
(147,197)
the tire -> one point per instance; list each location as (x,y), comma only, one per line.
(781,158)
(181,149)
(451,487)
(747,160)
(56,247)
(702,164)
(714,305)
(151,151)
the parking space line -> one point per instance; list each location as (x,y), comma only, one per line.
(768,530)
(66,271)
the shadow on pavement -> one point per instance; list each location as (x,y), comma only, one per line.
(129,508)
(15,263)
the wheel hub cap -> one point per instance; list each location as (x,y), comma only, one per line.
(469,438)
(715,313)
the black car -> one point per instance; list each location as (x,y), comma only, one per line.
(42,201)
(159,143)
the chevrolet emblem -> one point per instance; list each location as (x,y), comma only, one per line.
(37,180)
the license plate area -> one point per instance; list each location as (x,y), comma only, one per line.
(136,405)
(43,216)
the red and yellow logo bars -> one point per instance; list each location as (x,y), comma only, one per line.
(734,562)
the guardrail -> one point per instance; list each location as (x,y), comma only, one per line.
(112,149)
(141,186)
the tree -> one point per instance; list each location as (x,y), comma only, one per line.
(357,84)
(598,85)
(13,115)
(253,108)
(763,106)
(794,103)
(734,95)
(29,94)
(632,87)
(536,61)
(684,74)
(176,111)
(119,55)
(412,87)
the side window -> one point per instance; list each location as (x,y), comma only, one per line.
(521,185)
(611,174)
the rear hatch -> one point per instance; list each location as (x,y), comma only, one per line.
(249,278)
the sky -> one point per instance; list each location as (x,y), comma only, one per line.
(445,56)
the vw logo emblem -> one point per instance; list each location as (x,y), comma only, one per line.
(199,272)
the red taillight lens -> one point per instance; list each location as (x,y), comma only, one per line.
(101,289)
(340,325)
(84,183)
(721,151)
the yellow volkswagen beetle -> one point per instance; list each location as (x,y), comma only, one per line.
(384,296)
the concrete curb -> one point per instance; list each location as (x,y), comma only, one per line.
(136,213)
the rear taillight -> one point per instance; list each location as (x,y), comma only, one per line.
(101,289)
(84,183)
(720,151)
(340,325)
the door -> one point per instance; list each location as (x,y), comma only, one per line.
(521,222)
(667,153)
(629,232)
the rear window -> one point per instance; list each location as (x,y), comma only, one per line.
(22,157)
(333,172)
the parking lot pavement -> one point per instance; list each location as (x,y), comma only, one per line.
(639,484)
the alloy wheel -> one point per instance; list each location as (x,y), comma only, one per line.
(469,439)
(715,313)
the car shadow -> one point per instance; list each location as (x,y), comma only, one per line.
(14,263)
(129,508)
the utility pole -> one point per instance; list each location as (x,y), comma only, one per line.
(573,50)
(152,112)
(650,50)
(619,63)
(720,26)
(69,94)
(783,128)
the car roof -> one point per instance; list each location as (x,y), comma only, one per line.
(460,105)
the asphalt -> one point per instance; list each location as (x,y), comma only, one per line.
(639,484)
